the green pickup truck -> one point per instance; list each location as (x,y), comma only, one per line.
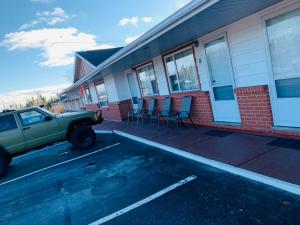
(27,129)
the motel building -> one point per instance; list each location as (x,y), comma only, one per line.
(238,59)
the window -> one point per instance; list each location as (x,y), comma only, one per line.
(102,94)
(147,80)
(182,71)
(87,95)
(31,117)
(7,123)
(284,35)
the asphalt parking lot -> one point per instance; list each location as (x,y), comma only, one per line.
(125,182)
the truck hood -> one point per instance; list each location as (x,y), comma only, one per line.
(71,114)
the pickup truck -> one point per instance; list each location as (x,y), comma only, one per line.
(27,129)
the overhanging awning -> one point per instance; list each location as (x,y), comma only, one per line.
(193,21)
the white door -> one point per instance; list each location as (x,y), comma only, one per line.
(224,101)
(134,90)
(284,44)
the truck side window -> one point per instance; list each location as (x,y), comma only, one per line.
(7,123)
(31,117)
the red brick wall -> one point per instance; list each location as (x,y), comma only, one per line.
(254,105)
(201,107)
(124,107)
(115,110)
(255,108)
(92,107)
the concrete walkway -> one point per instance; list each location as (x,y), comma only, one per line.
(277,158)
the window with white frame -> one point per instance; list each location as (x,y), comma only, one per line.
(283,36)
(181,70)
(102,94)
(147,80)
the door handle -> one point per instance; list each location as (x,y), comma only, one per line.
(26,128)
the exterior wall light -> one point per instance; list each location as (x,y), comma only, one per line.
(196,43)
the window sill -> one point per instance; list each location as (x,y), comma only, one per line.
(227,124)
(286,129)
(182,92)
(147,96)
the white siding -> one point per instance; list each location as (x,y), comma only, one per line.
(93,92)
(247,50)
(111,89)
(85,68)
(122,86)
(246,40)
(160,75)
(202,68)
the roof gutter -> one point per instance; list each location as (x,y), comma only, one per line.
(169,23)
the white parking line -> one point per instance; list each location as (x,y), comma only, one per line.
(58,164)
(143,201)
(104,132)
(43,149)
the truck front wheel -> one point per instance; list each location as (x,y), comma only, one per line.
(83,137)
(5,153)
(3,165)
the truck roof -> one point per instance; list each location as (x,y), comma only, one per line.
(7,111)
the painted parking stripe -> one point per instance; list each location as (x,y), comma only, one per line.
(144,201)
(43,149)
(104,132)
(280,184)
(58,164)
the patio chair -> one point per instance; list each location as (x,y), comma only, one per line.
(133,113)
(164,112)
(184,113)
(147,113)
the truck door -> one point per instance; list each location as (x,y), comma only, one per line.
(11,135)
(39,128)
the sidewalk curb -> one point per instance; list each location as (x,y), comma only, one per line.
(280,184)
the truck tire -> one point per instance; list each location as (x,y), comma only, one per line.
(3,165)
(83,137)
(5,154)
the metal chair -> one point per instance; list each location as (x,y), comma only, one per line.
(147,113)
(133,113)
(164,112)
(184,113)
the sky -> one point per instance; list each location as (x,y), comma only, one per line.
(38,38)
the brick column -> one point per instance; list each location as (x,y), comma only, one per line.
(92,107)
(255,108)
(114,111)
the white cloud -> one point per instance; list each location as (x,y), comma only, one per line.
(147,19)
(131,39)
(135,20)
(181,3)
(126,21)
(57,45)
(56,16)
(20,96)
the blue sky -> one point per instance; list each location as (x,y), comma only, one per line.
(38,37)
